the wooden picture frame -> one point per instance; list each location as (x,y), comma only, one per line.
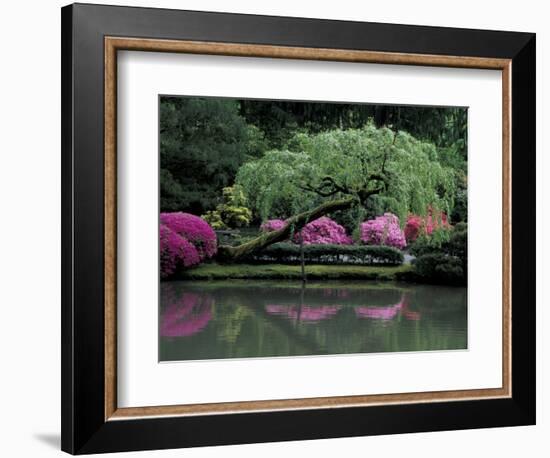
(91,37)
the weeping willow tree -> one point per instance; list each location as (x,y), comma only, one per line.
(338,170)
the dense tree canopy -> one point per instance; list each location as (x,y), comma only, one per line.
(403,173)
(445,127)
(203,141)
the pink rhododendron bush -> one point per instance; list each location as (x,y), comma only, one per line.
(185,240)
(322,231)
(417,225)
(383,230)
(175,252)
(272,225)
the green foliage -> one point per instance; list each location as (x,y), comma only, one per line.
(214,218)
(351,220)
(458,246)
(461,227)
(431,243)
(375,206)
(203,141)
(236,216)
(423,245)
(230,327)
(270,186)
(460,210)
(279,184)
(440,268)
(445,127)
(289,253)
(232,212)
(293,272)
(446,263)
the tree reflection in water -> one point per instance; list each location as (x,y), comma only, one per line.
(313,314)
(232,319)
(304,313)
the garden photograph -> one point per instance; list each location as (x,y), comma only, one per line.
(302,228)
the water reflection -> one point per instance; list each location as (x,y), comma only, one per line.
(212,320)
(184,314)
(389,312)
(304,313)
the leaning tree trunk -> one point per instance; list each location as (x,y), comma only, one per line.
(302,261)
(231,253)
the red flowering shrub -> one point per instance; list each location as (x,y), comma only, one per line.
(194,229)
(413,227)
(417,225)
(436,220)
(383,230)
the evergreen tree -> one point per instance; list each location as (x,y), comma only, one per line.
(203,141)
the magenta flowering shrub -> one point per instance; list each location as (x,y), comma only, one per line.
(193,229)
(185,241)
(383,230)
(272,225)
(323,231)
(175,252)
(320,231)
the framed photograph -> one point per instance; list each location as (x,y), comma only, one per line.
(281,228)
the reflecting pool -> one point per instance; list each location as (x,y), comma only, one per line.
(243,319)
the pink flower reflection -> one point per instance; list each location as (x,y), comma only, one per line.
(304,313)
(388,312)
(411,315)
(378,313)
(185,314)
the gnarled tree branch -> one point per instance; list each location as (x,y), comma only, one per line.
(328,187)
(230,253)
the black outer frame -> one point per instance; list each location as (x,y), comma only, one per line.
(84,429)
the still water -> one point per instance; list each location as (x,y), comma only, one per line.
(243,319)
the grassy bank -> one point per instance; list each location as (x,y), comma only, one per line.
(290,272)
